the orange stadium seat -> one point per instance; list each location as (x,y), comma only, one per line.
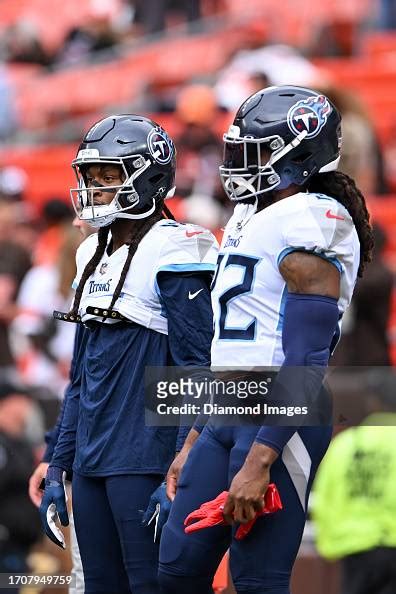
(72,92)
(379,43)
(374,81)
(354,72)
(48,170)
(20,72)
(10,12)
(50,97)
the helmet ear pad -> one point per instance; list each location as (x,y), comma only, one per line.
(296,169)
(303,162)
(153,183)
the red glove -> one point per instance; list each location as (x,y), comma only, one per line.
(211,513)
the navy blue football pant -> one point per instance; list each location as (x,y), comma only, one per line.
(262,562)
(118,553)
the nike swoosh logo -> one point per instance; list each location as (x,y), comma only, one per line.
(330,215)
(191,233)
(193,295)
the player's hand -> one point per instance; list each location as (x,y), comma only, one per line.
(53,505)
(35,493)
(246,493)
(157,511)
(172,478)
(174,472)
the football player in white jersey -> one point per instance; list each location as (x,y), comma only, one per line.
(290,256)
(143,295)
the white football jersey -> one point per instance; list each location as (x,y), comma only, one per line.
(168,246)
(249,293)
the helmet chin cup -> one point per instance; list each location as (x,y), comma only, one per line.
(104,215)
(239,186)
(140,215)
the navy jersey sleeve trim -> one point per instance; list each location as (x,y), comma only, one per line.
(193,267)
(333,260)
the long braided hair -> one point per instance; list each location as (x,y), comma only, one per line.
(136,237)
(340,186)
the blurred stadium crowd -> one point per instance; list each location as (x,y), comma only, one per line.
(188,65)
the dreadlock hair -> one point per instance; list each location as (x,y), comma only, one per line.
(168,213)
(103,234)
(137,235)
(340,186)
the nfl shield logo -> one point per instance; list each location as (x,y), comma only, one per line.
(103,268)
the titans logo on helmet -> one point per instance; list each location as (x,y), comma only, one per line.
(160,146)
(309,115)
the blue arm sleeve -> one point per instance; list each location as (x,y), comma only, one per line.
(309,325)
(186,299)
(51,436)
(64,448)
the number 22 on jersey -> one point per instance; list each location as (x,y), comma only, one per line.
(244,287)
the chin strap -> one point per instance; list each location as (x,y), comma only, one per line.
(247,211)
(103,219)
(142,215)
(289,147)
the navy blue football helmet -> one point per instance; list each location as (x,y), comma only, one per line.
(147,157)
(280,136)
